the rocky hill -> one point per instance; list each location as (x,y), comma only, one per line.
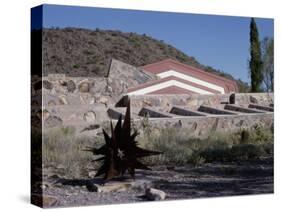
(83,52)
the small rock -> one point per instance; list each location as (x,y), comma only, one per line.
(142,185)
(62,83)
(45,114)
(103,100)
(47,85)
(45,186)
(92,101)
(89,117)
(253,100)
(51,103)
(71,86)
(53,121)
(63,100)
(114,187)
(109,89)
(84,87)
(92,174)
(92,187)
(147,103)
(155,194)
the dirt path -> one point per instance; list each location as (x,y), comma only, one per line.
(209,180)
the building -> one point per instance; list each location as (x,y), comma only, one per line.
(174,77)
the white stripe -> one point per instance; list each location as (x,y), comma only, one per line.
(169,83)
(191,79)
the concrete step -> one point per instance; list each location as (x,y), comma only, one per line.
(152,113)
(213,110)
(240,109)
(261,107)
(182,111)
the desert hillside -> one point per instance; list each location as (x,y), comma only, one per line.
(83,52)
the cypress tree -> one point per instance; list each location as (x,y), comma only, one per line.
(255,61)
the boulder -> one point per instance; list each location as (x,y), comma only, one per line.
(153,194)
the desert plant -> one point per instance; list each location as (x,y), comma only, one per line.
(61,148)
(180,147)
(145,125)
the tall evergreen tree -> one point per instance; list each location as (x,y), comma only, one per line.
(255,63)
(267,52)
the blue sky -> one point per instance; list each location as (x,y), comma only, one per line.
(218,41)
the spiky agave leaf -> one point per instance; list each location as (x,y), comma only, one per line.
(121,151)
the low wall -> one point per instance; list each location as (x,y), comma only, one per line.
(254,98)
(200,126)
(167,101)
(196,100)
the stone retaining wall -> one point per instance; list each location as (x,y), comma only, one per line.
(200,125)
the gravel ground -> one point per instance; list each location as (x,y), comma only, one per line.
(208,180)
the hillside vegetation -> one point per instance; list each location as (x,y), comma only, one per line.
(83,52)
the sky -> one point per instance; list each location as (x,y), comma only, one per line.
(218,41)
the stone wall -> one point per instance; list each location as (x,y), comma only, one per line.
(166,101)
(196,100)
(203,126)
(58,89)
(255,98)
(58,100)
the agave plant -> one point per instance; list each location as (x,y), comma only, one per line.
(121,151)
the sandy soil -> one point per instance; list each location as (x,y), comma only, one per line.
(208,180)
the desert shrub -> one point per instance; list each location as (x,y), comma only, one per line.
(146,126)
(173,145)
(180,147)
(196,159)
(261,135)
(238,152)
(60,147)
(88,52)
(76,66)
(245,136)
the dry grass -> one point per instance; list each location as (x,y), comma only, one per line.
(180,148)
(61,147)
